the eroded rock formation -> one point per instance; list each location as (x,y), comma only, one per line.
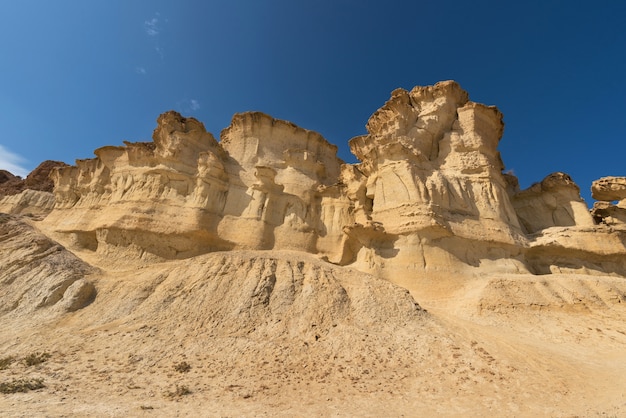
(608,190)
(39,273)
(29,196)
(498,292)
(432,175)
(6,176)
(428,197)
(38,179)
(262,187)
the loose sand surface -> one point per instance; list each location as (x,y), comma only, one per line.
(285,334)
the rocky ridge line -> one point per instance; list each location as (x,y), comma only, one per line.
(429,196)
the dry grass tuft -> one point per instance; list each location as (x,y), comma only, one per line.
(5,362)
(182,367)
(21,385)
(180,391)
(35,359)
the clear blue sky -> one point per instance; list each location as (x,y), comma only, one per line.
(78,75)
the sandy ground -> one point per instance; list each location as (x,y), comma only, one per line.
(181,338)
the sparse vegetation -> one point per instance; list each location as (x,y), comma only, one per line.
(35,359)
(21,385)
(5,362)
(180,391)
(182,367)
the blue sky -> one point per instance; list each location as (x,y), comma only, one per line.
(78,75)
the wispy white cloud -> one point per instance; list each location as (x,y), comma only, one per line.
(159,51)
(12,162)
(152,26)
(188,106)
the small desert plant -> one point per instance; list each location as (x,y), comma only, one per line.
(5,362)
(182,367)
(21,385)
(34,359)
(181,390)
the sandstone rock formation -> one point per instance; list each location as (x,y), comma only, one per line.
(39,273)
(28,202)
(554,202)
(429,194)
(29,196)
(259,262)
(264,186)
(608,190)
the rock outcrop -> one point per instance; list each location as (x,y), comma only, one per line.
(428,197)
(29,196)
(38,179)
(28,202)
(432,178)
(6,176)
(562,234)
(554,202)
(608,190)
(263,187)
(250,271)
(38,274)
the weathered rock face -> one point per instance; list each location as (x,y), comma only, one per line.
(555,201)
(607,190)
(38,274)
(29,196)
(28,202)
(38,179)
(562,235)
(428,197)
(281,178)
(432,175)
(260,188)
(609,214)
(150,197)
(7,176)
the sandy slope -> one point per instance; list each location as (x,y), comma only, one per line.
(284,334)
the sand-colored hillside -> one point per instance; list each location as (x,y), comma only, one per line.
(285,334)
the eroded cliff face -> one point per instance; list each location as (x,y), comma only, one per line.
(282,180)
(428,197)
(264,186)
(433,178)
